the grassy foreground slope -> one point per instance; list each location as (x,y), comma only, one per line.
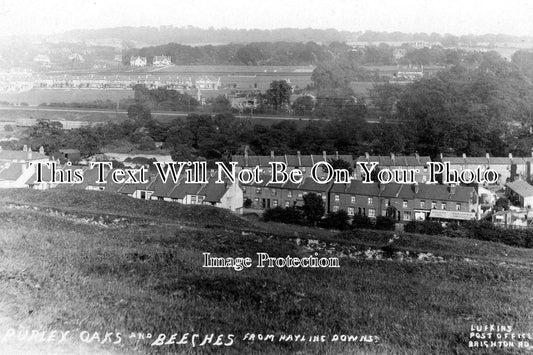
(91,262)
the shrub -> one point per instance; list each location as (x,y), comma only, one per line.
(424,227)
(336,220)
(360,221)
(247,203)
(485,230)
(385,223)
(289,215)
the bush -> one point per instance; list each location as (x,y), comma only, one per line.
(360,221)
(485,230)
(8,128)
(385,223)
(424,227)
(247,203)
(289,215)
(336,220)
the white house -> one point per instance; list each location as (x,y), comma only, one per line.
(162,60)
(138,62)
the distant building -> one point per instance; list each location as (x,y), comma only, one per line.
(43,60)
(206,83)
(162,60)
(393,161)
(523,190)
(76,57)
(508,168)
(16,167)
(138,62)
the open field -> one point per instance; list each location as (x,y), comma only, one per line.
(84,261)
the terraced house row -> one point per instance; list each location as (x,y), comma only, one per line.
(405,202)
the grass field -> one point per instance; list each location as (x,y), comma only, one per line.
(91,262)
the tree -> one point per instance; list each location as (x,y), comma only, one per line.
(338,164)
(146,143)
(502,204)
(313,208)
(336,220)
(279,95)
(139,112)
(303,106)
(221,104)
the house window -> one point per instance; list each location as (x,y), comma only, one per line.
(370,200)
(371,212)
(457,206)
(406,215)
(422,204)
(443,205)
(258,191)
(289,193)
(335,208)
(337,198)
(287,204)
(273,192)
(275,203)
(244,189)
(256,201)
(404,204)
(387,203)
(352,199)
(193,199)
(351,211)
(200,199)
(433,205)
(323,196)
(299,194)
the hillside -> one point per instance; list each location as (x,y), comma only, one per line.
(92,262)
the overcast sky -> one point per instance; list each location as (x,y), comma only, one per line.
(442,16)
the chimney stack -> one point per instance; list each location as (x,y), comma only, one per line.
(417,156)
(337,154)
(299,155)
(272,154)
(511,156)
(441,156)
(25,148)
(29,154)
(324,155)
(41,150)
(246,156)
(368,155)
(452,189)
(393,158)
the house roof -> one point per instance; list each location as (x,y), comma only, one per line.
(11,172)
(46,176)
(213,192)
(20,155)
(302,160)
(357,187)
(444,192)
(399,160)
(309,184)
(521,187)
(184,189)
(162,189)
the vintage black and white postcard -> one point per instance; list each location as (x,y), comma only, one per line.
(276,177)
